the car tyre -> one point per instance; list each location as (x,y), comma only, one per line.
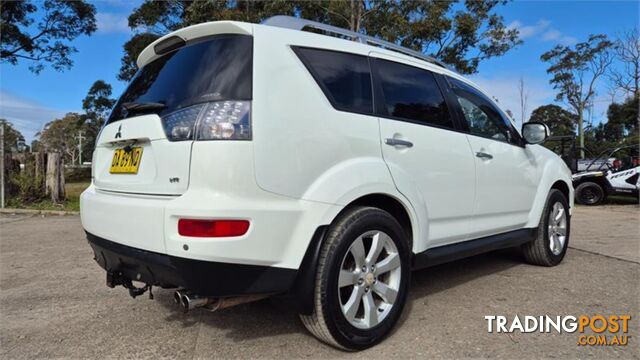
(589,193)
(360,290)
(552,240)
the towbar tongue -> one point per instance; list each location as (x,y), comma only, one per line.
(117,278)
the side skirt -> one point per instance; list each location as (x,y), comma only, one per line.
(447,253)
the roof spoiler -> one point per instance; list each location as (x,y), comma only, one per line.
(181,37)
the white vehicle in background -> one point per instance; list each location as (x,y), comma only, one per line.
(616,176)
(592,164)
(249,160)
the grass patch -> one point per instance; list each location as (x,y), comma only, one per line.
(72,203)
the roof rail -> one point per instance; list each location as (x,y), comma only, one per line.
(290,22)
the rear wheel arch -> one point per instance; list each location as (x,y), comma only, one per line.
(305,280)
(389,204)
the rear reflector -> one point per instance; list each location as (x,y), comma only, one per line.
(212,228)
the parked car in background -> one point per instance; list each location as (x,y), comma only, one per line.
(249,160)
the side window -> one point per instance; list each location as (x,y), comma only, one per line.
(483,118)
(412,93)
(344,78)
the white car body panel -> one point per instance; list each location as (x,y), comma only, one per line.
(506,185)
(553,170)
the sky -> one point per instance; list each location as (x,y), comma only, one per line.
(29,101)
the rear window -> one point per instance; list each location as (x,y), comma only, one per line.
(344,78)
(212,69)
(411,93)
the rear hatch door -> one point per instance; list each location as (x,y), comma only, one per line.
(145,146)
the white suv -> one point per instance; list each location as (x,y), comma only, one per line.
(249,160)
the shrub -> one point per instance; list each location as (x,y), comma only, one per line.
(28,187)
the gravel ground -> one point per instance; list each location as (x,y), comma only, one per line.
(54,303)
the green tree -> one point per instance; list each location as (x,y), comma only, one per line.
(132,48)
(13,139)
(60,135)
(462,34)
(575,72)
(35,145)
(48,40)
(559,120)
(98,102)
(620,129)
(97,105)
(622,121)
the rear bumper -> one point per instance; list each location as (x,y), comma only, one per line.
(205,278)
(278,236)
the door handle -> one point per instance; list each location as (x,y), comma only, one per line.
(398,142)
(483,155)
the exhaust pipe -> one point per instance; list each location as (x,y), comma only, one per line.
(189,301)
(177,297)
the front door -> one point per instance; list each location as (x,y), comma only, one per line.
(507,175)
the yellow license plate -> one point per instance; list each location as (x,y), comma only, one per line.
(126,161)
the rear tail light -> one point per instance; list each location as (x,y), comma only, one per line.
(212,228)
(216,120)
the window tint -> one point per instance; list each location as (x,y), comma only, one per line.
(412,93)
(344,78)
(483,118)
(218,68)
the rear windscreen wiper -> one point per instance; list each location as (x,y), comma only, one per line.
(143,106)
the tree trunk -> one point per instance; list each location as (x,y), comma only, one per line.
(581,131)
(355,16)
(40,170)
(55,177)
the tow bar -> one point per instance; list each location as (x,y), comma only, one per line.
(115,279)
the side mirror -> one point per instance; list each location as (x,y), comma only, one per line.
(535,132)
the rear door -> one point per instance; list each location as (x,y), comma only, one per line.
(428,158)
(506,171)
(145,147)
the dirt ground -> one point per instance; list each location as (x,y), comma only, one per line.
(54,302)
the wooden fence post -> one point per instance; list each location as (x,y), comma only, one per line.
(55,177)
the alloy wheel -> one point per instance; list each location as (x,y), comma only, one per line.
(557,228)
(369,279)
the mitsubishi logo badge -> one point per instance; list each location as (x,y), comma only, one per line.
(118,134)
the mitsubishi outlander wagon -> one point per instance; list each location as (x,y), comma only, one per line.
(299,159)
